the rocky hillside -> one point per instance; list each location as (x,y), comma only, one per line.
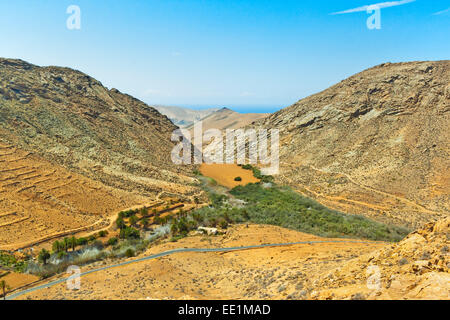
(72,120)
(376,143)
(416,268)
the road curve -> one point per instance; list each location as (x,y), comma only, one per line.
(170,252)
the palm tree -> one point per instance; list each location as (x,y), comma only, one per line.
(57,246)
(44,255)
(73,243)
(66,244)
(4,286)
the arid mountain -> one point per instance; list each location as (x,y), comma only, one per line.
(71,119)
(228,119)
(73,154)
(376,143)
(184,117)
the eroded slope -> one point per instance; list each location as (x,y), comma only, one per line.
(376,144)
(70,118)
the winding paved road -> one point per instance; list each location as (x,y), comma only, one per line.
(170,252)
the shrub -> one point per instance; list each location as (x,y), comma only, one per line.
(238,179)
(133,220)
(143,212)
(145,223)
(223,224)
(61,255)
(129,253)
(103,233)
(82,241)
(129,233)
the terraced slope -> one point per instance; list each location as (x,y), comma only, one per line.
(39,200)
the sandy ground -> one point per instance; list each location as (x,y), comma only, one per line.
(268,273)
(17,280)
(39,200)
(225,174)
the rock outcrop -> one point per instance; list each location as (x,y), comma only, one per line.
(415,268)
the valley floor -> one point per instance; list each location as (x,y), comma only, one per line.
(267,273)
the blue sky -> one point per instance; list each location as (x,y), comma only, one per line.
(253,55)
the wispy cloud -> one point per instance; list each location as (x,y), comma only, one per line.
(380,5)
(441,12)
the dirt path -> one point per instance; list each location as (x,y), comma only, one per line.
(188,250)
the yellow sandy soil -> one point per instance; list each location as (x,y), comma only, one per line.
(41,200)
(225,174)
(17,280)
(268,273)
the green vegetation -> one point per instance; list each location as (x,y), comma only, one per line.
(283,207)
(8,261)
(128,213)
(133,220)
(103,234)
(257,173)
(145,222)
(43,257)
(129,253)
(129,233)
(113,241)
(238,179)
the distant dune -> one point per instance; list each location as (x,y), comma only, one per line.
(228,119)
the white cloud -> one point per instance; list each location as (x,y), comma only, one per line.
(380,5)
(441,12)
